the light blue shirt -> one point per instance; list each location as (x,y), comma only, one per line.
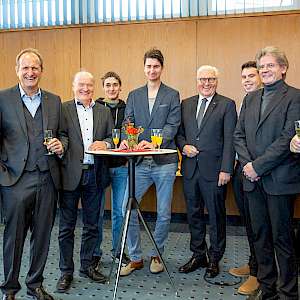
(85,116)
(31,102)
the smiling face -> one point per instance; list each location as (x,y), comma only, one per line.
(112,88)
(83,87)
(153,69)
(207,82)
(250,79)
(269,70)
(29,72)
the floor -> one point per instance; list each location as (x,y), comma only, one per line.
(142,285)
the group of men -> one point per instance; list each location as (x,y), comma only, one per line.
(266,175)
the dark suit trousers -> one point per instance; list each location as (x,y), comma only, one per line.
(200,193)
(90,196)
(271,218)
(243,206)
(29,204)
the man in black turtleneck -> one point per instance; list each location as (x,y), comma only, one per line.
(271,173)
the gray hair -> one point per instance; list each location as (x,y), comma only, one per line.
(32,51)
(209,68)
(78,74)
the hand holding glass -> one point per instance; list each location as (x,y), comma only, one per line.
(48,136)
(297,128)
(116,137)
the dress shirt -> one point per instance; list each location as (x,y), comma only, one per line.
(31,102)
(200,101)
(85,116)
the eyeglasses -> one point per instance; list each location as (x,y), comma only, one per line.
(267,66)
(209,80)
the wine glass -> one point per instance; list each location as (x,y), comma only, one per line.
(48,136)
(116,137)
(297,128)
(153,137)
(159,138)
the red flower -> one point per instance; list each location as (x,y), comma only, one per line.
(132,130)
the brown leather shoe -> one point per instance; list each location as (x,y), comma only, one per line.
(132,266)
(212,270)
(64,283)
(8,297)
(249,287)
(193,264)
(39,294)
(156,265)
(242,271)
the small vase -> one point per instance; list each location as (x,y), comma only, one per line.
(133,140)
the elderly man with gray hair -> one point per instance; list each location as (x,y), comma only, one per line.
(271,173)
(205,139)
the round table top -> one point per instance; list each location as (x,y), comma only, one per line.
(118,152)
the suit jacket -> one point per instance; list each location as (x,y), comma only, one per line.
(265,142)
(73,158)
(165,115)
(214,138)
(14,138)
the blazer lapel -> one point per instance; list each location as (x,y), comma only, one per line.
(256,108)
(273,104)
(18,106)
(160,95)
(212,105)
(96,120)
(45,110)
(143,98)
(193,111)
(74,118)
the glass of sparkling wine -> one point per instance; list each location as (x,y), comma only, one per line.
(159,138)
(116,137)
(48,136)
(297,128)
(153,137)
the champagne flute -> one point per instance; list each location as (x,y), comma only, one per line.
(297,128)
(116,137)
(159,138)
(48,136)
(153,137)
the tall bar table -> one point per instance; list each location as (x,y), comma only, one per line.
(133,204)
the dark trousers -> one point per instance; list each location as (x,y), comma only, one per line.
(29,204)
(200,193)
(243,206)
(271,219)
(90,196)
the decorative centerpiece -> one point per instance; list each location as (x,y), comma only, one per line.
(132,134)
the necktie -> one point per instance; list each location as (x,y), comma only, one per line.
(201,112)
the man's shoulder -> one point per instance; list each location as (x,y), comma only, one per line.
(188,100)
(168,88)
(50,95)
(222,98)
(67,103)
(7,91)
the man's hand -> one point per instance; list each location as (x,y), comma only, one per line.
(190,151)
(224,178)
(55,146)
(124,145)
(250,173)
(295,144)
(98,145)
(145,145)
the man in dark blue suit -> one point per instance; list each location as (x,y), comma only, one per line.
(271,173)
(205,141)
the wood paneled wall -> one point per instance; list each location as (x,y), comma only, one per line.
(186,44)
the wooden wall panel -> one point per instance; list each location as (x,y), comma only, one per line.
(121,48)
(60,49)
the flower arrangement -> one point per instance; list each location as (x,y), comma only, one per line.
(132,134)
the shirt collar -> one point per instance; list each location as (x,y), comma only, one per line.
(208,98)
(78,103)
(22,92)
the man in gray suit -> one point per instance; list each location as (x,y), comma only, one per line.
(88,125)
(271,173)
(205,140)
(154,105)
(29,178)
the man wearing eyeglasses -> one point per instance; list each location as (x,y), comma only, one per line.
(205,141)
(271,173)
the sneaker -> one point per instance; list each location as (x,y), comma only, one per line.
(249,287)
(125,259)
(155,265)
(131,266)
(242,271)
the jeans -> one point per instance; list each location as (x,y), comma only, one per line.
(163,176)
(90,196)
(118,186)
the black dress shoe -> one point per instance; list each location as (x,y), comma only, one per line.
(93,275)
(8,297)
(212,270)
(193,264)
(39,294)
(64,283)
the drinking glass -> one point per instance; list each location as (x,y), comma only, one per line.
(297,128)
(116,137)
(159,138)
(153,137)
(48,136)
